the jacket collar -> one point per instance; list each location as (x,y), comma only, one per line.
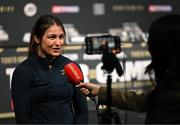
(50,62)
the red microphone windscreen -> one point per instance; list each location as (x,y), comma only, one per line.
(73,73)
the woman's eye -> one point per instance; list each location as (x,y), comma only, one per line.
(52,37)
(61,37)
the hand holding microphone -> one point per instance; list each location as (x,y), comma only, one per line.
(85,87)
(75,75)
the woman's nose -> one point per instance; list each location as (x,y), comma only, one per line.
(58,42)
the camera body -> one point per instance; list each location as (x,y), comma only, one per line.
(97,44)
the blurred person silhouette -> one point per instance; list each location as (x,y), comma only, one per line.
(41,92)
(162,102)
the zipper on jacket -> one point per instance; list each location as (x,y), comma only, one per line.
(50,67)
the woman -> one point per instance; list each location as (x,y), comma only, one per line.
(40,90)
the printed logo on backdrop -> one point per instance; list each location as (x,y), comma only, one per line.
(99,9)
(30,9)
(65,9)
(26,37)
(7,9)
(160,8)
(4,36)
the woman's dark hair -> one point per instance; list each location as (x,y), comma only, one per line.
(41,25)
(164,45)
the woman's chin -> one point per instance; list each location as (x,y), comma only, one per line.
(55,54)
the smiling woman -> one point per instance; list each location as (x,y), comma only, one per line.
(52,42)
(41,93)
(47,37)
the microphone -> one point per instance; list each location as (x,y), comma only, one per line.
(75,75)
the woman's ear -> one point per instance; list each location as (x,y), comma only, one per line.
(36,40)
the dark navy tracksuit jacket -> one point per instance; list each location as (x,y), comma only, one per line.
(42,93)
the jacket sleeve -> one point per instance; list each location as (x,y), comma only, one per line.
(21,95)
(128,100)
(80,107)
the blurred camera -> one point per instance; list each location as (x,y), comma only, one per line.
(98,44)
